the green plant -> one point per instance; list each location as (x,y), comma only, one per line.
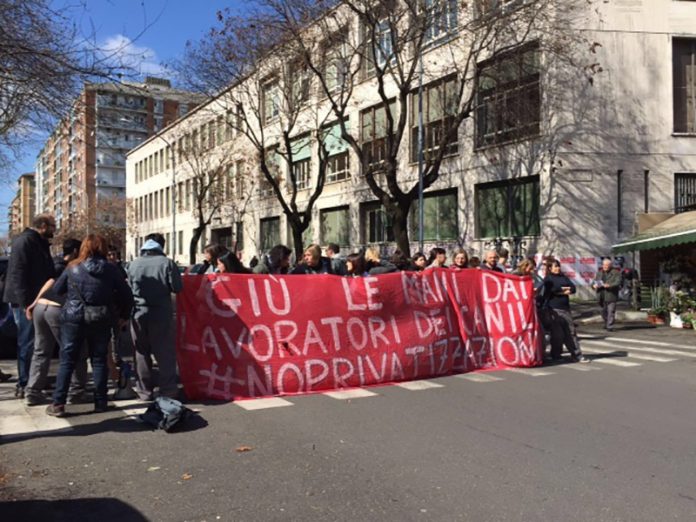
(659,296)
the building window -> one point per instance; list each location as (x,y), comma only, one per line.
(684,192)
(335,225)
(373,134)
(301,159)
(239,179)
(441,19)
(684,78)
(378,47)
(376,225)
(508,208)
(335,62)
(440,103)
(270,233)
(229,125)
(439,216)
(180,243)
(265,186)
(301,82)
(490,7)
(338,164)
(508,97)
(270,102)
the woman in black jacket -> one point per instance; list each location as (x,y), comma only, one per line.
(97,296)
(557,288)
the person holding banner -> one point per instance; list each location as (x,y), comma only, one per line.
(460,260)
(419,261)
(437,258)
(276,262)
(557,289)
(355,266)
(313,262)
(228,263)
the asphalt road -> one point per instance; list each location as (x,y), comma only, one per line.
(612,440)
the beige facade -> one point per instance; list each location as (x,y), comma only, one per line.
(22,209)
(598,154)
(81,167)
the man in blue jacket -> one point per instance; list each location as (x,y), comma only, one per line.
(153,278)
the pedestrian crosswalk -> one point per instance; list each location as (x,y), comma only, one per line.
(607,353)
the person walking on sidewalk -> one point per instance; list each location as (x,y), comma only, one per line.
(96,296)
(607,284)
(557,288)
(30,266)
(153,278)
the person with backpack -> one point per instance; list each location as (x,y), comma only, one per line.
(96,295)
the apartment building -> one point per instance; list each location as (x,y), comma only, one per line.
(565,170)
(21,209)
(80,170)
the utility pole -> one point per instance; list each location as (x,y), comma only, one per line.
(421,213)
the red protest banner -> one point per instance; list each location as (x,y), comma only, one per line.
(243,336)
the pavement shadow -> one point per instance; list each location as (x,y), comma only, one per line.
(70,510)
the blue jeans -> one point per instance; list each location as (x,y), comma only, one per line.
(72,336)
(25,343)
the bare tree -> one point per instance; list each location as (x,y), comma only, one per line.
(458,54)
(271,108)
(107,217)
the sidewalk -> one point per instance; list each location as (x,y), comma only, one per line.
(589,312)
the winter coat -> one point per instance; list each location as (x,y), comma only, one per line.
(99,283)
(29,268)
(553,291)
(153,278)
(611,283)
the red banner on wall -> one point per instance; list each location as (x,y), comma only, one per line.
(243,336)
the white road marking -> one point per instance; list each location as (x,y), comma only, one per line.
(479,377)
(616,362)
(661,351)
(532,372)
(356,393)
(418,385)
(262,404)
(641,341)
(578,367)
(653,358)
(16,419)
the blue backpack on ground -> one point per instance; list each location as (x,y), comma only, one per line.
(165,414)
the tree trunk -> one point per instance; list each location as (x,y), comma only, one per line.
(193,246)
(399,217)
(297,239)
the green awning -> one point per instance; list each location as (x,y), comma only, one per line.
(676,230)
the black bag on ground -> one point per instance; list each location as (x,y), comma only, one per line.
(165,414)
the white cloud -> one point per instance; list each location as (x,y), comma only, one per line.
(122,51)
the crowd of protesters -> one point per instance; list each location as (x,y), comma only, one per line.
(86,302)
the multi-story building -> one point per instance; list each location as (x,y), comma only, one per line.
(81,177)
(567,176)
(21,210)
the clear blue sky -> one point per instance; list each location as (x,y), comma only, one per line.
(159,30)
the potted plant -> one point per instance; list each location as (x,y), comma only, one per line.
(688,320)
(659,296)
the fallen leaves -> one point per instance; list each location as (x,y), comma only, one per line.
(243,449)
(153,468)
(186,476)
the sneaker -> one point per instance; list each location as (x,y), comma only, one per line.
(581,359)
(80,398)
(36,399)
(19,392)
(55,410)
(4,377)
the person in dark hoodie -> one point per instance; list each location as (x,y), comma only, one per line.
(95,293)
(30,266)
(153,278)
(276,262)
(557,288)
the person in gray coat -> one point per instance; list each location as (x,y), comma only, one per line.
(153,278)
